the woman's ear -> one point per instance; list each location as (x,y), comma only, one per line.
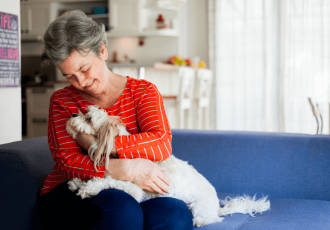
(104,52)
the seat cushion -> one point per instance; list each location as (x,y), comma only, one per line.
(284,214)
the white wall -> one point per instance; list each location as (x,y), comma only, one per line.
(197,30)
(194,39)
(10,98)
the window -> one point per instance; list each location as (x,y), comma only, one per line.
(268,57)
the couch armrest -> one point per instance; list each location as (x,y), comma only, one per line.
(23,167)
(280,165)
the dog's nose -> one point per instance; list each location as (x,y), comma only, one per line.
(88,119)
(74,115)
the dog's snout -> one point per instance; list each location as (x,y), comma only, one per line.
(88,119)
(74,115)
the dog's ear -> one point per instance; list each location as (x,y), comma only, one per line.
(70,130)
(105,138)
(116,120)
(98,155)
(71,124)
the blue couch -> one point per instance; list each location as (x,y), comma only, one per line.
(292,169)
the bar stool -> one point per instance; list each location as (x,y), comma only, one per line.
(202,99)
(179,107)
(177,89)
(185,97)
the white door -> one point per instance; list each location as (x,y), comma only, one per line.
(124,16)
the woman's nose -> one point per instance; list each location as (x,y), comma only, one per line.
(82,81)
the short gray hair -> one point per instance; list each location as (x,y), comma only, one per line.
(72,31)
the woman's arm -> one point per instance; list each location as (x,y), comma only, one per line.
(68,156)
(154,140)
(74,164)
(144,173)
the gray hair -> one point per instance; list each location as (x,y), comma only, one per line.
(72,31)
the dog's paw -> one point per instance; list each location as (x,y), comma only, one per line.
(74,184)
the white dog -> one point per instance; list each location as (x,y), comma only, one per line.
(186,183)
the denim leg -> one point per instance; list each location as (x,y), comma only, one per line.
(166,213)
(120,211)
(110,209)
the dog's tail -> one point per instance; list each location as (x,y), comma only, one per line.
(243,204)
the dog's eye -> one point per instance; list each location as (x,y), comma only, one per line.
(74,115)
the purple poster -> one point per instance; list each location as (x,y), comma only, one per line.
(9,50)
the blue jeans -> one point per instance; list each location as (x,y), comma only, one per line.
(111,209)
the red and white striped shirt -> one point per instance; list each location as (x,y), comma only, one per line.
(140,107)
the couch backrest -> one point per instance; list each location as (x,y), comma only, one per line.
(24,166)
(280,165)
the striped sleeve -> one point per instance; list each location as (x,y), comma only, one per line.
(154,141)
(64,149)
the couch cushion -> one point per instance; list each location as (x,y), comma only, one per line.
(284,214)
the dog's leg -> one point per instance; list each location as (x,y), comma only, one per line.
(75,184)
(204,210)
(96,185)
(193,189)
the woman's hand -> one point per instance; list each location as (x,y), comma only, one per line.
(148,175)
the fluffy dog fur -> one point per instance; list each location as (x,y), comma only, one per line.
(186,183)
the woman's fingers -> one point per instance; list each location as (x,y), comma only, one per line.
(149,176)
(164,178)
(155,188)
(160,184)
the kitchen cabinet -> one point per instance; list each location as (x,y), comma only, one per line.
(37,108)
(37,105)
(124,16)
(86,7)
(38,101)
(37,127)
(36,17)
(35,1)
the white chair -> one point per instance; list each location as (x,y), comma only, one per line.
(126,71)
(185,98)
(177,90)
(203,99)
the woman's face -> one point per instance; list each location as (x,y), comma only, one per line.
(88,74)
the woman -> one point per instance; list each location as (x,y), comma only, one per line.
(77,46)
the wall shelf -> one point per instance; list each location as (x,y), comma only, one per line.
(161,33)
(162,8)
(149,33)
(98,15)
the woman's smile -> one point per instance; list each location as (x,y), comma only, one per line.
(88,86)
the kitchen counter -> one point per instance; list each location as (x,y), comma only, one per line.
(129,65)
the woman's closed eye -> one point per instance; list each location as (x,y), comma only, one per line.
(86,70)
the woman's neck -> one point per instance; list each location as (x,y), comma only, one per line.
(116,86)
